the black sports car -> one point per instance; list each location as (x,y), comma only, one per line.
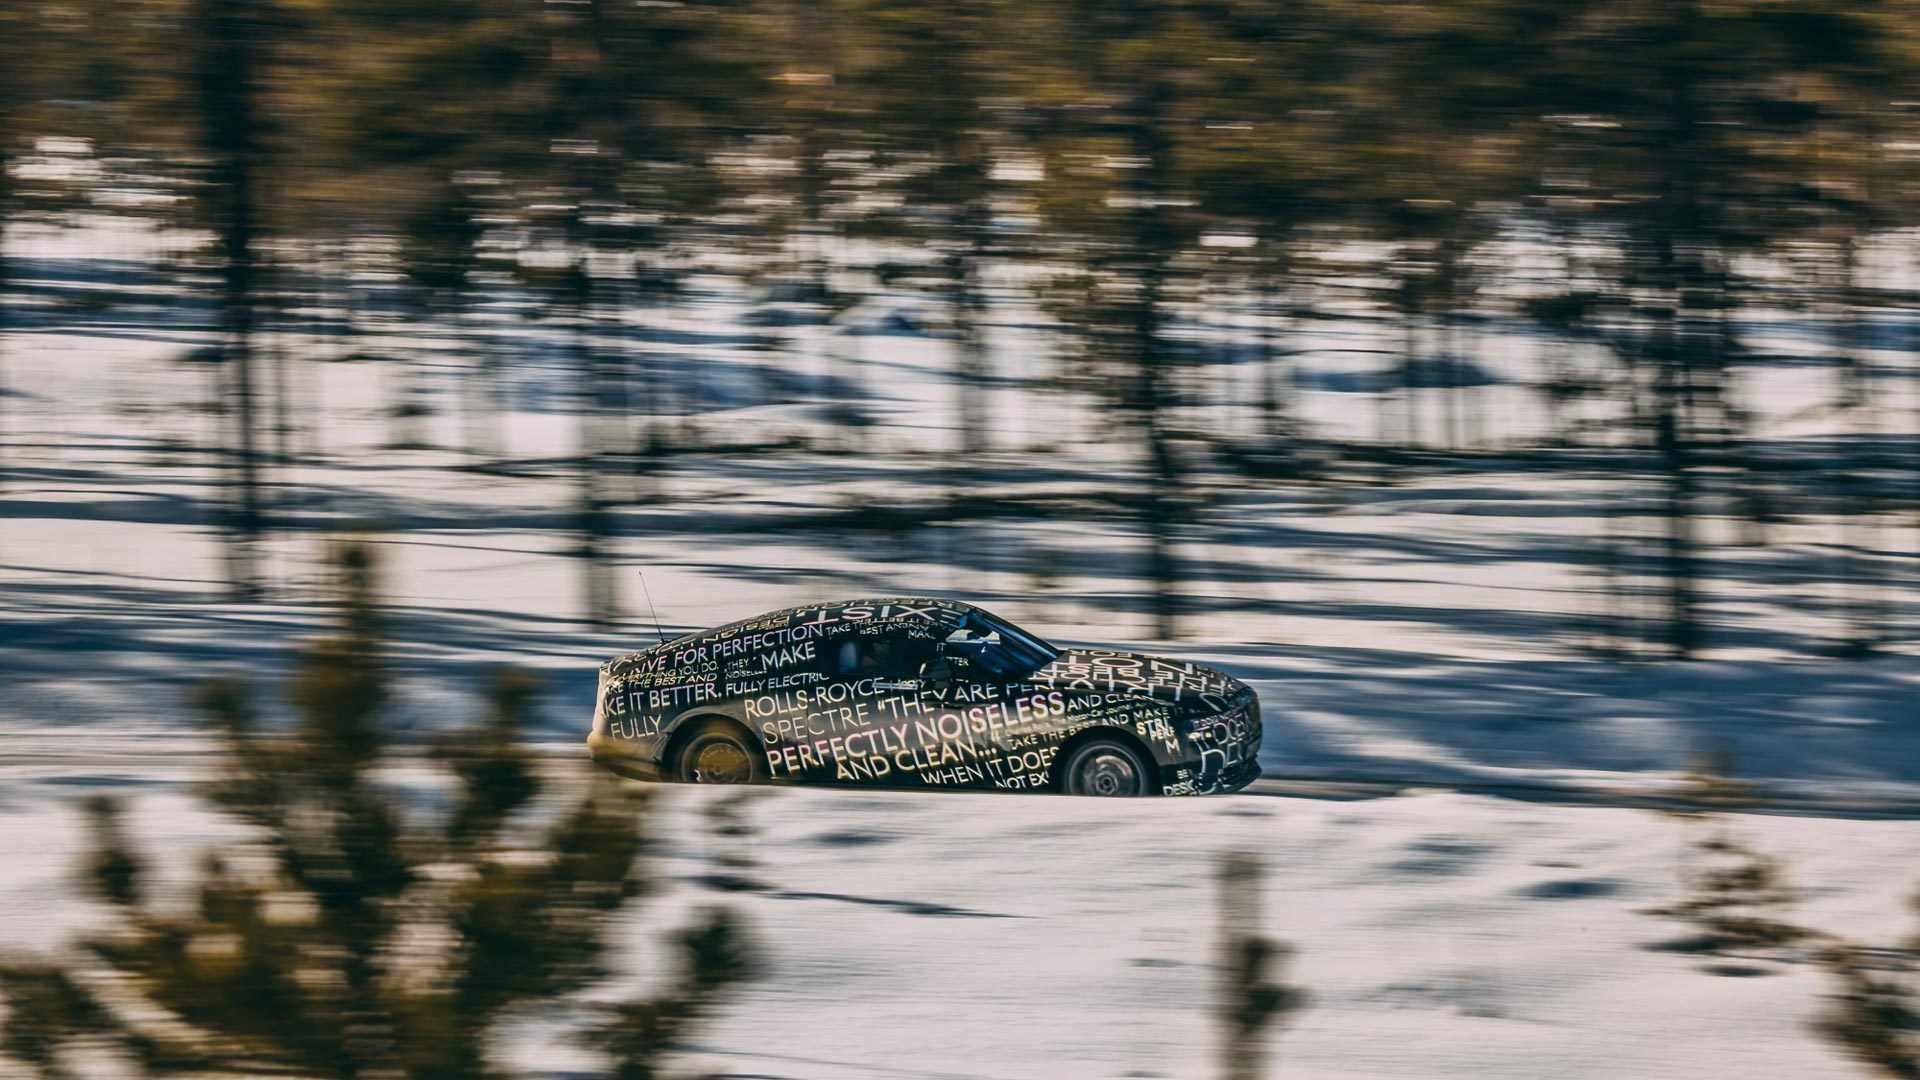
(914,692)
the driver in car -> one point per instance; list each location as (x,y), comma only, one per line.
(879,657)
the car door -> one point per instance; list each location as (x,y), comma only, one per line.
(1011,726)
(857,726)
(785,693)
(970,728)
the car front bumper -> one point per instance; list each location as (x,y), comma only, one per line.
(1191,779)
(1239,776)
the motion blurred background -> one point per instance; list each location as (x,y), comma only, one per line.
(1523,395)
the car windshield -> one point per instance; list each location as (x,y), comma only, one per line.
(1000,651)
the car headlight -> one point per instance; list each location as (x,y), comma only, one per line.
(1231,726)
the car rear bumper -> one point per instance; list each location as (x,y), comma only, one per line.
(617,757)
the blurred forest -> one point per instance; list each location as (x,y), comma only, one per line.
(1148,242)
(328,167)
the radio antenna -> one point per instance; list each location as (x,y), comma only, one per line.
(656,615)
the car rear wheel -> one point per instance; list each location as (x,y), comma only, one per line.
(1105,767)
(718,753)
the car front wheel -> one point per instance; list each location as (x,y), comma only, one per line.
(1105,767)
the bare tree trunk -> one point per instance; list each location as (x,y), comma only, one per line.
(226,34)
(1409,348)
(282,406)
(817,38)
(1612,636)
(1250,1002)
(1861,598)
(1274,325)
(1671,442)
(1913,432)
(1473,395)
(6,283)
(1678,252)
(654,400)
(1153,243)
(596,577)
(970,352)
(480,391)
(1454,374)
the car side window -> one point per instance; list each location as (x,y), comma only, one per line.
(879,655)
(996,652)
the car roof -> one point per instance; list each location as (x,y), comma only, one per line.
(885,609)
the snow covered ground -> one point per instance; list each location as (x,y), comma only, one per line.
(987,937)
(1441,935)
(1426,634)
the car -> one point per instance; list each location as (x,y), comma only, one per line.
(916,692)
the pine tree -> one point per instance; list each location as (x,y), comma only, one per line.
(1732,892)
(1732,889)
(1875,1017)
(350,939)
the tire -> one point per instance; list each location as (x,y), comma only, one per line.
(717,752)
(1107,768)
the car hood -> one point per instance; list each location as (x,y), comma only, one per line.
(1137,674)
